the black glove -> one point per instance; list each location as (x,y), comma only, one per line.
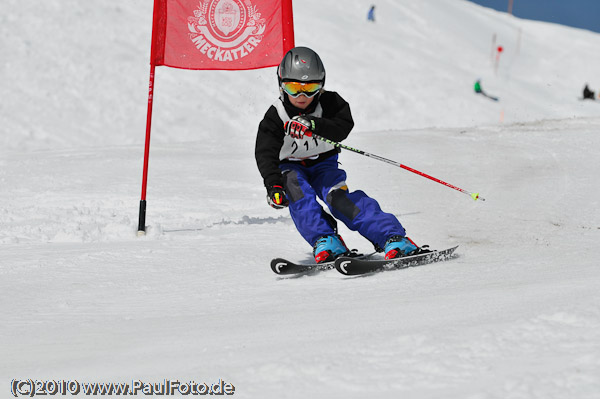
(300,126)
(276,197)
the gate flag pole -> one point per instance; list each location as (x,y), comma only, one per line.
(142,215)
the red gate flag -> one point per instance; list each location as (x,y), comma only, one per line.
(221,34)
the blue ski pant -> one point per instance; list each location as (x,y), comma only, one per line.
(325,180)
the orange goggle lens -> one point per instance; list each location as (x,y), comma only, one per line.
(294,89)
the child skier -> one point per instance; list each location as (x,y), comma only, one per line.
(297,168)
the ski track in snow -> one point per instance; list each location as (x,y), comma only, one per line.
(515,315)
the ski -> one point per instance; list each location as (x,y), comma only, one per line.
(491,97)
(355,266)
(283,266)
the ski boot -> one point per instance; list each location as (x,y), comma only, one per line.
(398,246)
(328,248)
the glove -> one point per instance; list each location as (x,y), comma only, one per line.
(300,126)
(276,197)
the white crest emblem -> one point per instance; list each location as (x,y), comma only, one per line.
(227,16)
(226,30)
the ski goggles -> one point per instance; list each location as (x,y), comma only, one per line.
(294,89)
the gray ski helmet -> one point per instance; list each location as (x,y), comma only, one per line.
(301,64)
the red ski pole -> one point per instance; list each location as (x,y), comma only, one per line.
(475,196)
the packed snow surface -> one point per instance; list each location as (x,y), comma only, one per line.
(515,315)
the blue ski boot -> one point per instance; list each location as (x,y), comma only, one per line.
(398,246)
(328,248)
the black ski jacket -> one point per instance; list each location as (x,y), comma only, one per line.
(334,124)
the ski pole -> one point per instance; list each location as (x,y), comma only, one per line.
(475,196)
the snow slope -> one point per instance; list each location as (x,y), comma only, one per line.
(516,315)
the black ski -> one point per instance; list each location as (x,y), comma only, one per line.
(285,267)
(354,266)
